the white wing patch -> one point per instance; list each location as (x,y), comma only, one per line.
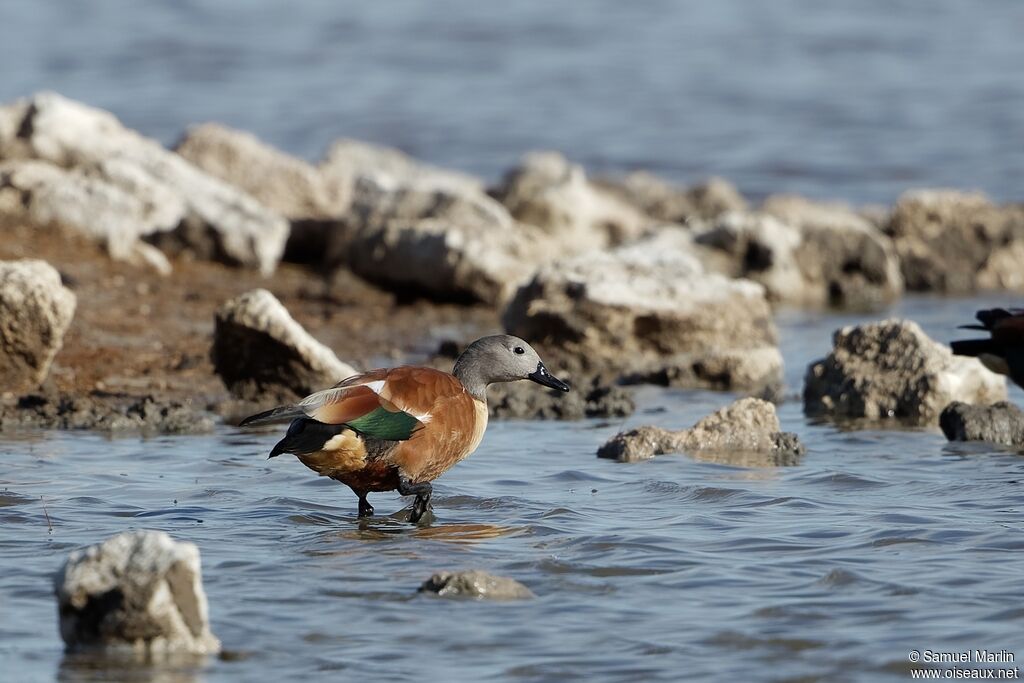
(314,401)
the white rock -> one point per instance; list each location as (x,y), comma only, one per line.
(259,348)
(547,191)
(71,134)
(438,242)
(640,306)
(35,312)
(290,186)
(117,216)
(140,590)
(348,160)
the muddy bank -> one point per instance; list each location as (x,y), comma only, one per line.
(141,342)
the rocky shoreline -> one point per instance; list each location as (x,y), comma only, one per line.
(224,275)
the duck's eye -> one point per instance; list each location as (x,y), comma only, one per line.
(519,350)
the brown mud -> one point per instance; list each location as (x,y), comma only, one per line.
(138,349)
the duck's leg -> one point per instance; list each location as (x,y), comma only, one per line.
(422,491)
(365,509)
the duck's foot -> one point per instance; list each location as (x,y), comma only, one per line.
(422,491)
(365,509)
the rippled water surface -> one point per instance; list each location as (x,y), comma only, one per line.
(874,544)
(856,100)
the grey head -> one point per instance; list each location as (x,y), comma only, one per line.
(501,358)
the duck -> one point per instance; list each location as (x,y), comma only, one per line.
(1003,351)
(399,429)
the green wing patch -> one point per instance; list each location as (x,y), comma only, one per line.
(386,425)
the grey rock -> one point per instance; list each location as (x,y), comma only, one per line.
(547,191)
(105,413)
(35,312)
(643,307)
(260,350)
(892,369)
(668,203)
(746,432)
(525,400)
(139,590)
(957,242)
(290,186)
(805,253)
(218,220)
(843,258)
(1000,423)
(755,370)
(475,584)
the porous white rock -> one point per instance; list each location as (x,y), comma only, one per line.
(36,310)
(749,425)
(892,369)
(140,590)
(216,219)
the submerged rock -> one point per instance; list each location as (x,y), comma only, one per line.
(749,425)
(892,369)
(547,191)
(668,203)
(259,349)
(35,312)
(442,243)
(525,400)
(103,412)
(647,307)
(1001,423)
(140,590)
(290,186)
(211,218)
(957,242)
(475,584)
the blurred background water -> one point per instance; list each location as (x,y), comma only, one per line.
(833,99)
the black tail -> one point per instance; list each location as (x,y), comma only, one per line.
(279,414)
(973,347)
(990,317)
(306,436)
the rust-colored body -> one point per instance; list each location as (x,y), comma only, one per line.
(452,423)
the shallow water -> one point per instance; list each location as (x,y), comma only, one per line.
(876,543)
(852,100)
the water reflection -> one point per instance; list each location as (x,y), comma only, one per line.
(130,667)
(752,459)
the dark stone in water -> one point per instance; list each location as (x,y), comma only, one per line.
(1001,423)
(475,584)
